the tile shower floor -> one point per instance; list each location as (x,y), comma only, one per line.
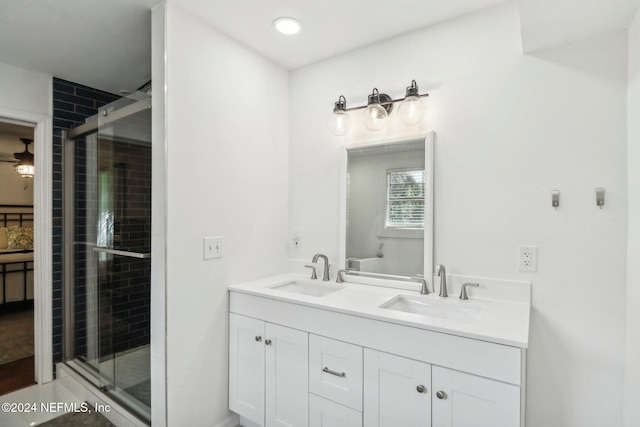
(132,373)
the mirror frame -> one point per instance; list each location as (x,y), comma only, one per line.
(429,143)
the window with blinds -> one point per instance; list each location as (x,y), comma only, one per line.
(405,198)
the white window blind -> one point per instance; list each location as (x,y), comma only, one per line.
(405,198)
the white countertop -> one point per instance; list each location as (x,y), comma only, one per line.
(500,321)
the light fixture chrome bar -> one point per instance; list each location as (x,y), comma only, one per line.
(139,255)
(383,103)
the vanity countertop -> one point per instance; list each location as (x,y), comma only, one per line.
(495,320)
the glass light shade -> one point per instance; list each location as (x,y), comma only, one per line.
(411,111)
(339,123)
(375,117)
(27,171)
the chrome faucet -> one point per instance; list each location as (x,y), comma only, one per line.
(313,271)
(424,289)
(325,274)
(441,271)
(463,291)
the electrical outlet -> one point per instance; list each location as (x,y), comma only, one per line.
(527,258)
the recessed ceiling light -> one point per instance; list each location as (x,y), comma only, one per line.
(287,26)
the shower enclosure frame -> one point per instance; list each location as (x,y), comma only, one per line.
(104,119)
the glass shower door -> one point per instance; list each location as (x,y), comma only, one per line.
(111,208)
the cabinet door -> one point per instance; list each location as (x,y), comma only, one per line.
(287,377)
(396,391)
(465,400)
(246,367)
(325,413)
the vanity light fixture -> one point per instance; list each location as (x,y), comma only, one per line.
(376,113)
(25,165)
(339,122)
(412,109)
(379,105)
(287,25)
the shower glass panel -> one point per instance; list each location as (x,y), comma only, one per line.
(108,196)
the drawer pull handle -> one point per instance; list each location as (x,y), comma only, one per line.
(337,374)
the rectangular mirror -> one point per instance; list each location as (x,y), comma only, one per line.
(389,207)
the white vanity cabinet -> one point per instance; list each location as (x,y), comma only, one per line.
(268,372)
(333,368)
(460,399)
(397,391)
(335,383)
(406,392)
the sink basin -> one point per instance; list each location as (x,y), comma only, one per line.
(452,310)
(315,289)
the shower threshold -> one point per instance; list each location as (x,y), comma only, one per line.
(133,390)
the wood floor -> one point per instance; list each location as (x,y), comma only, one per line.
(16,375)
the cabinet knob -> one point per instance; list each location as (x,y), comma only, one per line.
(267,342)
(258,338)
(441,395)
(421,389)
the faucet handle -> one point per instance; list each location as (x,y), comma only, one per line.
(313,271)
(463,291)
(420,278)
(340,276)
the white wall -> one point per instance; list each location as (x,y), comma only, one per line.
(23,92)
(510,129)
(227,175)
(24,95)
(632,355)
(27,96)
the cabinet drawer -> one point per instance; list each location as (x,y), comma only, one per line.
(335,371)
(325,413)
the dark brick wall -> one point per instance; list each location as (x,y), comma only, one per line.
(72,104)
(124,283)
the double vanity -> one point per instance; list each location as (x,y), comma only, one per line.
(316,353)
(371,350)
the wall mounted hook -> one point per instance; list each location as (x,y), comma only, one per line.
(600,197)
(555,198)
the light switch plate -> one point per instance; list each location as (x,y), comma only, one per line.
(213,247)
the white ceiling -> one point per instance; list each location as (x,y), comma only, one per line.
(103,44)
(329,27)
(548,23)
(106,43)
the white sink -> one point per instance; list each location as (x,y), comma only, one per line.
(315,289)
(452,310)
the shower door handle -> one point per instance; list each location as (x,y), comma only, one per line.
(122,253)
(84,243)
